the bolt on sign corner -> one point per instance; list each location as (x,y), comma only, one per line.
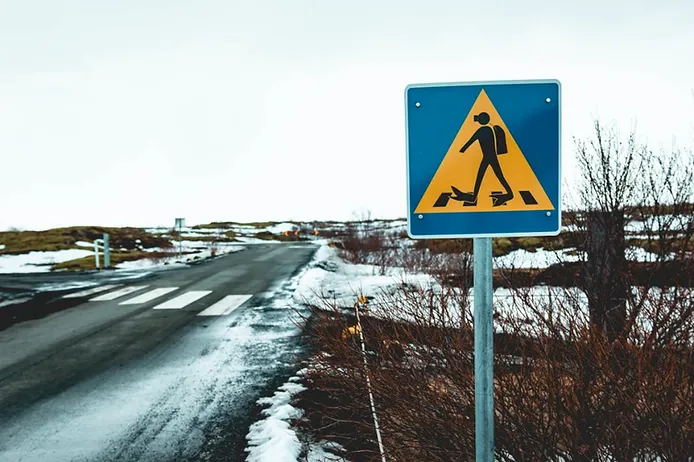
(484,159)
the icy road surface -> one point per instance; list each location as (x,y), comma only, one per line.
(166,369)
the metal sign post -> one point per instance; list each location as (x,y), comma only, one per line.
(484,349)
(107,252)
(179,224)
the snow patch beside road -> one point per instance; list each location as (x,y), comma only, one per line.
(201,251)
(272,439)
(540,258)
(333,280)
(39,262)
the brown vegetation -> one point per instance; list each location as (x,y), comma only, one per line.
(88,263)
(562,388)
(18,242)
(568,386)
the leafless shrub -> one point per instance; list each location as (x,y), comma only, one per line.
(665,208)
(625,188)
(562,390)
(362,244)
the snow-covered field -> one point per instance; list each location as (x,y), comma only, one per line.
(39,262)
(541,258)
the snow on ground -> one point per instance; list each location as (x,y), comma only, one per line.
(162,230)
(245,235)
(330,279)
(5,301)
(318,452)
(246,229)
(541,258)
(2,246)
(176,395)
(255,240)
(209,233)
(282,228)
(201,251)
(35,262)
(641,255)
(147,264)
(272,439)
(340,282)
(333,282)
(657,223)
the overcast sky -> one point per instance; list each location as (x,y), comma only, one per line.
(134,112)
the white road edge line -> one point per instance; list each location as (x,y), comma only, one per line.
(225,306)
(117,293)
(182,300)
(149,296)
(92,291)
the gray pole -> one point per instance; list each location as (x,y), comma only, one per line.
(484,350)
(180,242)
(107,252)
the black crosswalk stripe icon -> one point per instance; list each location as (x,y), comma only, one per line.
(526,196)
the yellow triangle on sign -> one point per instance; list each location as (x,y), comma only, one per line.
(453,186)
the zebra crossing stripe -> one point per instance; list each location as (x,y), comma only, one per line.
(118,293)
(225,306)
(149,296)
(182,300)
(92,291)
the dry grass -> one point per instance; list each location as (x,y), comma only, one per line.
(88,263)
(227,237)
(561,388)
(570,384)
(284,237)
(230,224)
(19,242)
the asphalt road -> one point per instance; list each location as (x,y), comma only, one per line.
(165,368)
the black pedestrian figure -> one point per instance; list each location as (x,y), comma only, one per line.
(492,141)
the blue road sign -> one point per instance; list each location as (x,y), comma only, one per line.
(483,159)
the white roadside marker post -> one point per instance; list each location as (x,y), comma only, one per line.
(96,252)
